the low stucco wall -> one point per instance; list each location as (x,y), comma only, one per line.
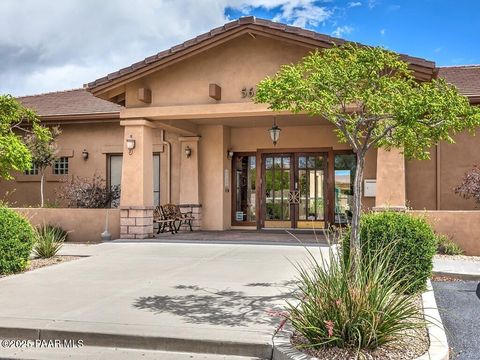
(84,225)
(463,227)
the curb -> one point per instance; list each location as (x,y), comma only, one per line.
(109,340)
(438,349)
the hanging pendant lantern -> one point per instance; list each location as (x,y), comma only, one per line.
(274,132)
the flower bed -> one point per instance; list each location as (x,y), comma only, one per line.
(432,346)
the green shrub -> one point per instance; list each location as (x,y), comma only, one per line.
(48,240)
(447,247)
(16,241)
(414,239)
(356,308)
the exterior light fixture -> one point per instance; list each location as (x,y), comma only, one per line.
(229,154)
(188,151)
(274,132)
(85,154)
(130,144)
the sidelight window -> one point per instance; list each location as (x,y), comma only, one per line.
(245,170)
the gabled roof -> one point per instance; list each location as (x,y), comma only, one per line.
(466,78)
(424,69)
(76,102)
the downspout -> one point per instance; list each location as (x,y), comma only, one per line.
(169,165)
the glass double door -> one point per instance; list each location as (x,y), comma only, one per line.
(294,190)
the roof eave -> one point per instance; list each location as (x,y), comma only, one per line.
(73,117)
(424,69)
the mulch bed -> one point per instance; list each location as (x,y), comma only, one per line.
(414,344)
(39,262)
(444,278)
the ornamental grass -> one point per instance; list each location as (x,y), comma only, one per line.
(361,307)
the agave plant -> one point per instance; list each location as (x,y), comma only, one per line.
(48,240)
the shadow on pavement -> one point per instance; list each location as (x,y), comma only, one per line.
(232,308)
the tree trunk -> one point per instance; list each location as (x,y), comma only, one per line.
(41,189)
(355,247)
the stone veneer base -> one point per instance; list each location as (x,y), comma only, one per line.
(136,222)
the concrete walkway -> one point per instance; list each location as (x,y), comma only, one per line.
(201,298)
(459,268)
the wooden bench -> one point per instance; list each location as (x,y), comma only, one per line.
(169,215)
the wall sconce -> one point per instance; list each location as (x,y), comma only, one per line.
(130,144)
(274,132)
(85,154)
(188,151)
(229,154)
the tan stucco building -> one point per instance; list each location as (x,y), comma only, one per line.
(201,142)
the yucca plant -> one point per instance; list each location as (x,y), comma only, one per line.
(48,240)
(360,307)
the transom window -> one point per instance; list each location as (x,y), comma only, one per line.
(60,166)
(32,171)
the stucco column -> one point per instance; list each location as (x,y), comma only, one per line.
(136,201)
(391,191)
(189,175)
(215,177)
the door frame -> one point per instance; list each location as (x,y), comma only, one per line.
(296,171)
(234,222)
(262,208)
(329,180)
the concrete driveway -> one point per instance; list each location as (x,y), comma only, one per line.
(182,297)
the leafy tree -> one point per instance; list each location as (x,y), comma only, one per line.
(16,120)
(470,186)
(44,154)
(373,99)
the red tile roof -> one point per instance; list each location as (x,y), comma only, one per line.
(251,22)
(466,78)
(69,102)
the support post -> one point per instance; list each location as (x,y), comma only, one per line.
(136,201)
(189,178)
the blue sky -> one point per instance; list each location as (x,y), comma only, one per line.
(43,50)
(445,31)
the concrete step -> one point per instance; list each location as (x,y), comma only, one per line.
(107,353)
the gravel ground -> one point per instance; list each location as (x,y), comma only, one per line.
(459,306)
(39,263)
(414,344)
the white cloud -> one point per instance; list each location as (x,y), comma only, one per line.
(303,13)
(372,3)
(49,45)
(354,4)
(341,31)
(383,32)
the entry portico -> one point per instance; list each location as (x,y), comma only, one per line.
(216,153)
